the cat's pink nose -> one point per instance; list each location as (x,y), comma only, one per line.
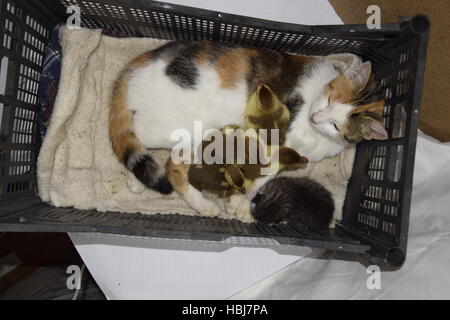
(312,119)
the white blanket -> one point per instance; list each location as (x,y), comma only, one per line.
(76,165)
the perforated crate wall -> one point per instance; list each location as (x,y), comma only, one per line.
(23,42)
(158,22)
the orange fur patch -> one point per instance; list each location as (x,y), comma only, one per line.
(125,143)
(340,90)
(203,54)
(121,134)
(234,65)
(177,174)
(140,61)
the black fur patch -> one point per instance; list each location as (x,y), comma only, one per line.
(217,49)
(183,68)
(371,93)
(168,50)
(163,186)
(145,170)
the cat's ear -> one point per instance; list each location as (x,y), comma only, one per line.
(359,76)
(289,157)
(373,129)
(266,98)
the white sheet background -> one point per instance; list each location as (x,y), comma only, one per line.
(426,273)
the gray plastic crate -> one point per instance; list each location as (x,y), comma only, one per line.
(376,210)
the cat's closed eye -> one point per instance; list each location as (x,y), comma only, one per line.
(335,126)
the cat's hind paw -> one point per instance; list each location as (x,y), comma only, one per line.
(209,209)
(243,212)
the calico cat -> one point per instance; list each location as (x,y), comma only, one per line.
(300,201)
(181,82)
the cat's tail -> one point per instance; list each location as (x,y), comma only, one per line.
(127,147)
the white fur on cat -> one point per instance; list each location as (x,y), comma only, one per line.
(322,140)
(161,106)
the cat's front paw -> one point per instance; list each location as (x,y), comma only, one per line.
(243,211)
(209,209)
(133,184)
(232,204)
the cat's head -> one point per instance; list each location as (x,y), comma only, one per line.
(350,108)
